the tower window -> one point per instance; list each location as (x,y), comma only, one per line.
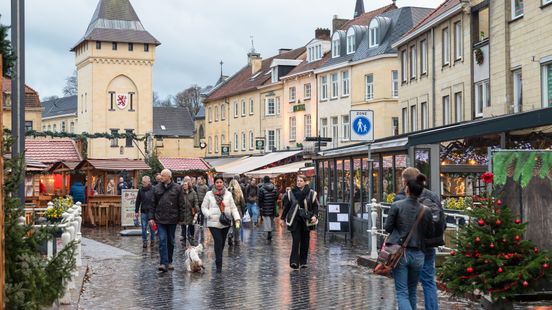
(130,47)
(128,139)
(111,101)
(131,100)
(146,47)
(114,46)
(98,45)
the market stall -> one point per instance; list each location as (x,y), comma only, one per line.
(182,167)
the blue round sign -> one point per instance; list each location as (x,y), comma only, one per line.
(361,125)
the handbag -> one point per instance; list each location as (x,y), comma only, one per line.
(390,255)
(223,219)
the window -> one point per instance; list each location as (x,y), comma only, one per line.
(546,2)
(131,100)
(129,137)
(251,106)
(335,85)
(278,105)
(423,57)
(314,53)
(111,101)
(335,130)
(373,32)
(274,75)
(114,141)
(62,126)
(346,83)
(114,46)
(446,46)
(336,40)
(216,144)
(292,94)
(350,41)
(210,114)
(404,64)
(405,120)
(216,113)
(201,132)
(292,128)
(394,83)
(236,110)
(251,140)
(98,45)
(547,84)
(271,140)
(481,97)
(425,116)
(324,88)
(222,112)
(517,8)
(72,127)
(458,111)
(369,86)
(307,91)
(222,140)
(394,126)
(130,47)
(49,127)
(43,127)
(308,126)
(458,40)
(518,91)
(270,106)
(236,142)
(413,62)
(244,141)
(413,119)
(146,47)
(210,144)
(324,127)
(346,126)
(446,110)
(243,107)
(28,125)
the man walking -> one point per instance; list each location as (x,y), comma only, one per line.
(251,195)
(169,208)
(268,195)
(144,202)
(202,190)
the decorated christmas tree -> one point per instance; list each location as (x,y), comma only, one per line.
(491,255)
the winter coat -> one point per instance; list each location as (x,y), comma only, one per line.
(77,192)
(192,200)
(239,202)
(201,192)
(121,186)
(291,200)
(170,205)
(268,195)
(251,193)
(211,210)
(144,200)
(400,219)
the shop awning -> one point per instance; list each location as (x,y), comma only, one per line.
(379,146)
(33,165)
(274,172)
(254,163)
(184,164)
(112,165)
(221,162)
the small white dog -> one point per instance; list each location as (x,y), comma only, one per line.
(192,261)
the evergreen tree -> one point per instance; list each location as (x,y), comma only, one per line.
(492,257)
(8,58)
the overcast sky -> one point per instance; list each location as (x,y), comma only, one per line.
(195,35)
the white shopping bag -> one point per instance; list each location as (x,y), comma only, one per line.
(246,218)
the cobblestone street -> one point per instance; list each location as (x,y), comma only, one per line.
(255,275)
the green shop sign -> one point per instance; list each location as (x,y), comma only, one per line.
(299,107)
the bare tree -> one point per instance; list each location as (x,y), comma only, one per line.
(71,85)
(49,98)
(190,98)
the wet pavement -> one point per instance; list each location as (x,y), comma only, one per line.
(255,275)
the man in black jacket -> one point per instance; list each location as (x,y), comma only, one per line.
(144,203)
(169,209)
(268,195)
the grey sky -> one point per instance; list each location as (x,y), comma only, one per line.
(195,34)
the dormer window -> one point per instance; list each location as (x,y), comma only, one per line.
(336,45)
(374,33)
(314,53)
(274,73)
(350,41)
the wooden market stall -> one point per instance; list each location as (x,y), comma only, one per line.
(102,176)
(182,167)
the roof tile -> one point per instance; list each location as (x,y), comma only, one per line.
(52,150)
(184,164)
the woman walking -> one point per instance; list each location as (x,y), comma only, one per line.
(239,201)
(188,230)
(219,208)
(409,217)
(301,216)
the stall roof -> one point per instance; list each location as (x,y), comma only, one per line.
(62,166)
(113,164)
(279,170)
(184,164)
(219,162)
(33,165)
(389,144)
(254,163)
(50,151)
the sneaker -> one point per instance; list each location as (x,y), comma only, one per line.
(162,268)
(171,267)
(145,244)
(294,266)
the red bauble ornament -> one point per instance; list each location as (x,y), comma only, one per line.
(481,222)
(452,253)
(500,270)
(498,222)
(499,202)
(517,221)
(469,269)
(517,238)
(477,254)
(545,266)
(525,284)
(477,239)
(468,255)
(491,245)
(536,250)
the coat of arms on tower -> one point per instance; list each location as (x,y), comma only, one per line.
(122,101)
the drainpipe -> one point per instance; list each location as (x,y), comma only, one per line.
(433,86)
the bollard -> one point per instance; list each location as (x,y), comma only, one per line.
(374,215)
(50,205)
(79,234)
(65,239)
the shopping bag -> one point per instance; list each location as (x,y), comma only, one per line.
(246,218)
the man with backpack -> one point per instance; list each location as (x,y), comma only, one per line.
(268,195)
(433,202)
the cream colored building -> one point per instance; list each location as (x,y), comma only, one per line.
(33,109)
(173,132)
(60,115)
(114,61)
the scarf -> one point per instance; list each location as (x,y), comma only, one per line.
(301,195)
(219,197)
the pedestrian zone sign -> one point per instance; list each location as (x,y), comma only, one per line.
(260,144)
(362,125)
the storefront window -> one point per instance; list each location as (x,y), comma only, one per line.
(346,180)
(357,179)
(331,183)
(376,179)
(325,183)
(422,163)
(388,182)
(400,165)
(340,185)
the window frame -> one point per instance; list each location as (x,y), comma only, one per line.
(307,122)
(292,128)
(324,87)
(236,109)
(517,94)
(346,87)
(447,119)
(243,108)
(395,83)
(351,41)
(413,62)
(335,85)
(424,115)
(130,47)
(217,148)
(251,140)
(373,32)
(413,118)
(114,46)
(98,45)
(268,144)
(244,141)
(324,127)
(336,45)
(458,44)
(546,93)
(216,113)
(513,9)
(251,106)
(423,57)
(210,144)
(222,112)
(404,66)
(236,142)
(481,94)
(268,102)
(292,94)
(458,107)
(114,141)
(307,94)
(369,87)
(404,117)
(334,126)
(210,115)
(146,47)
(446,46)
(345,127)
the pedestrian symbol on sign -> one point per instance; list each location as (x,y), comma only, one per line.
(362,125)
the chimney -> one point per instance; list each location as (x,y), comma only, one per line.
(337,23)
(283,50)
(255,61)
(322,34)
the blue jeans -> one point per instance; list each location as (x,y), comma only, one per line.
(145,224)
(406,276)
(253,211)
(427,278)
(166,242)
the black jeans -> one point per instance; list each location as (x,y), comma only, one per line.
(188,231)
(219,237)
(300,246)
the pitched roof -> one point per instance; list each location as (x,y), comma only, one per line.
(363,19)
(441,9)
(113,164)
(244,80)
(306,66)
(176,121)
(201,113)
(52,150)
(184,164)
(60,106)
(116,21)
(31,96)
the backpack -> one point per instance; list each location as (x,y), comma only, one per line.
(438,222)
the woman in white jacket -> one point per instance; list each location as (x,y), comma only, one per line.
(216,202)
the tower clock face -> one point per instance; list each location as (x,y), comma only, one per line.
(122,101)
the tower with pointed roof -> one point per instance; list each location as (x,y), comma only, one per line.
(114,61)
(359,8)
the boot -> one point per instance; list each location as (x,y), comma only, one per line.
(230,239)
(145,244)
(269,236)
